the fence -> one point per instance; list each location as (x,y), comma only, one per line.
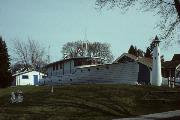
(172,82)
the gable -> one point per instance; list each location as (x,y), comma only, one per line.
(131,58)
(125,59)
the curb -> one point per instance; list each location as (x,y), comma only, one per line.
(155,116)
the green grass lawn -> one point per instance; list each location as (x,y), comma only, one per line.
(87,102)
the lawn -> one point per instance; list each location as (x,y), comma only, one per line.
(87,102)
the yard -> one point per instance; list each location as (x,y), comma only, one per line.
(87,102)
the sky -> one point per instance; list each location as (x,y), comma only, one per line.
(55,22)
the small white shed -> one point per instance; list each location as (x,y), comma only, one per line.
(28,78)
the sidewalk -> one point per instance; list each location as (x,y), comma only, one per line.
(157,116)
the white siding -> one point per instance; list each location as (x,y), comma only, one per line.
(68,67)
(30,80)
(115,73)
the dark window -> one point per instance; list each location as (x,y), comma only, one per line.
(53,67)
(97,68)
(154,57)
(78,62)
(43,76)
(25,77)
(60,65)
(89,70)
(56,66)
(81,70)
(107,67)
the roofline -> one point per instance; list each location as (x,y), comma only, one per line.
(16,74)
(136,59)
(62,60)
(124,54)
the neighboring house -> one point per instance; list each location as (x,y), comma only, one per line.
(27,78)
(177,72)
(171,68)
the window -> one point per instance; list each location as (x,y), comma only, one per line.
(43,76)
(56,66)
(53,67)
(93,62)
(25,77)
(107,67)
(97,68)
(60,65)
(89,70)
(77,62)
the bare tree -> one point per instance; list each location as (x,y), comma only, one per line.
(86,48)
(102,50)
(73,49)
(169,11)
(29,54)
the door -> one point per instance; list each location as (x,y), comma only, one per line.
(35,79)
(144,74)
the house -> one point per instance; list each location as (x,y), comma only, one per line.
(27,78)
(127,69)
(171,68)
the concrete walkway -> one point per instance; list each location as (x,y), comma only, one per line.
(156,116)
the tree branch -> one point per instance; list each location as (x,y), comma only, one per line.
(167,3)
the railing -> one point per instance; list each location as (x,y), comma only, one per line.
(172,82)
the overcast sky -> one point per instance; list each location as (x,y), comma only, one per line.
(55,22)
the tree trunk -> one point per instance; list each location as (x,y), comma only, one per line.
(177,6)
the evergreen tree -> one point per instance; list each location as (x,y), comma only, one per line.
(148,53)
(5,74)
(133,50)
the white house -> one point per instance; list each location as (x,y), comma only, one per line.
(28,78)
(127,69)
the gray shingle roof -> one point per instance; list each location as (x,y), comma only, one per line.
(143,60)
